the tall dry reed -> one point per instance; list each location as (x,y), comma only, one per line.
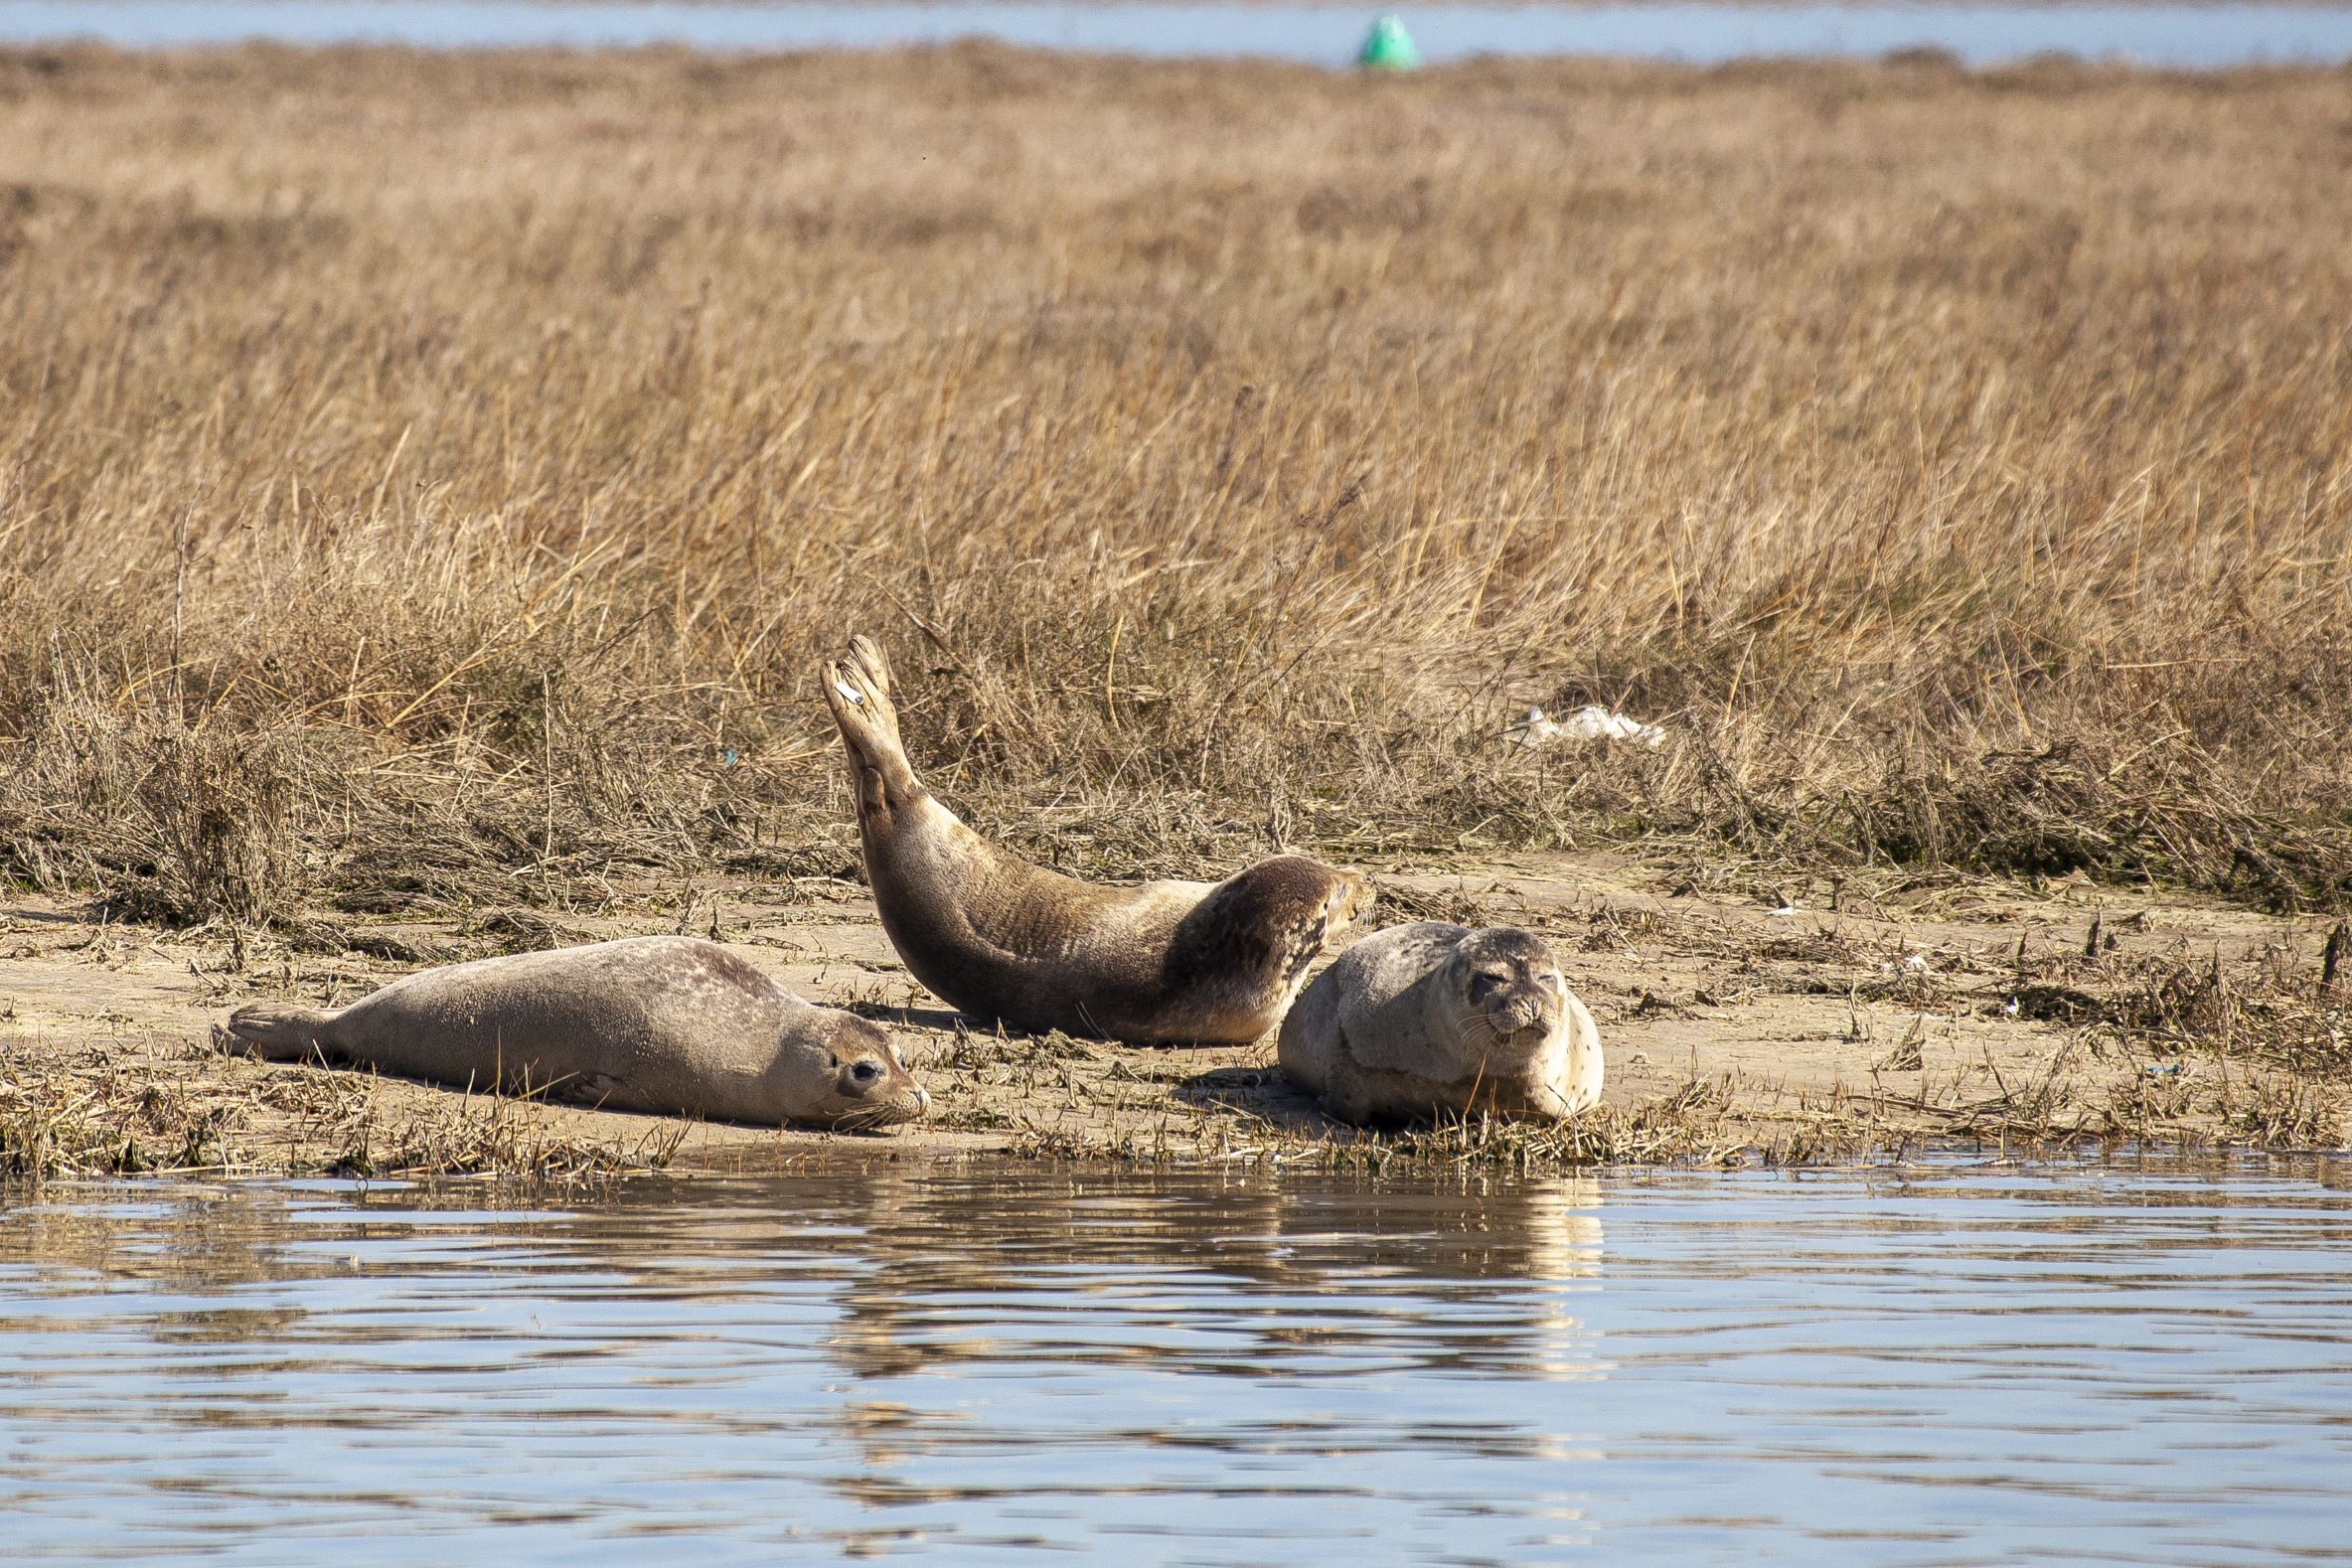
(430,474)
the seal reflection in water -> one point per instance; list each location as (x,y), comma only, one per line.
(1000,938)
(1431,1016)
(663,1024)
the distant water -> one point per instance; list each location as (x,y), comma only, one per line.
(2157,34)
(1007,1363)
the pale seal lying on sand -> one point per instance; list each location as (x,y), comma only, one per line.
(1431,1016)
(664,1024)
(1000,938)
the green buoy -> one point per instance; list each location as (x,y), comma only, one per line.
(1389,46)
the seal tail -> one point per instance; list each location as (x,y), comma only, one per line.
(274,1030)
(856,689)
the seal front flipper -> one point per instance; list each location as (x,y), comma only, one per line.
(1348,1093)
(1367,1095)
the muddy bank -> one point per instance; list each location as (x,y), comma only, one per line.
(1744,1020)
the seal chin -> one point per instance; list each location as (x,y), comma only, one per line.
(874,1115)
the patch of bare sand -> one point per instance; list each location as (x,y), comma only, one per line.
(1742,1018)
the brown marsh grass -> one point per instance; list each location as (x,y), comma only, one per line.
(431,476)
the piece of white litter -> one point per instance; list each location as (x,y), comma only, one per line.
(1580,727)
(1917,962)
(1780,913)
(849,694)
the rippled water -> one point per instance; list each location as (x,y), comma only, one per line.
(2160,33)
(1946,1365)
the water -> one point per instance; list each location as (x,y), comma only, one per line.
(2193,35)
(1957,1364)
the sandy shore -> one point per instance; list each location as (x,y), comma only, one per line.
(1742,1021)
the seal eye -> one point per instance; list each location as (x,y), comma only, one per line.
(865,1072)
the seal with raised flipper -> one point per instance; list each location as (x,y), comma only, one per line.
(669,1025)
(1430,1017)
(1164,963)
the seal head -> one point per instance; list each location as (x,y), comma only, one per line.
(1512,994)
(870,1085)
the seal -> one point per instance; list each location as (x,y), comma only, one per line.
(665,1024)
(995,937)
(1432,1016)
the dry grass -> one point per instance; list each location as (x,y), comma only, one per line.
(198,1115)
(424,477)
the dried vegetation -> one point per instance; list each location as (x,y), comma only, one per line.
(425,478)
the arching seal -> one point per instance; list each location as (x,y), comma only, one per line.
(998,937)
(1432,1016)
(664,1024)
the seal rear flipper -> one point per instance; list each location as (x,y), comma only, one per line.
(274,1030)
(857,688)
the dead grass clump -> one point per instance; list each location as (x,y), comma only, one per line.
(1659,1133)
(164,823)
(2166,811)
(2259,1009)
(2285,1110)
(493,1134)
(88,1111)
(1684,1126)
(98,1112)
(44,1135)
(408,499)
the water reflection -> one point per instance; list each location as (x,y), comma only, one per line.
(923,1269)
(1225,1369)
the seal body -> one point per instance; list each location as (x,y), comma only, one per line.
(1000,938)
(1432,1016)
(664,1024)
